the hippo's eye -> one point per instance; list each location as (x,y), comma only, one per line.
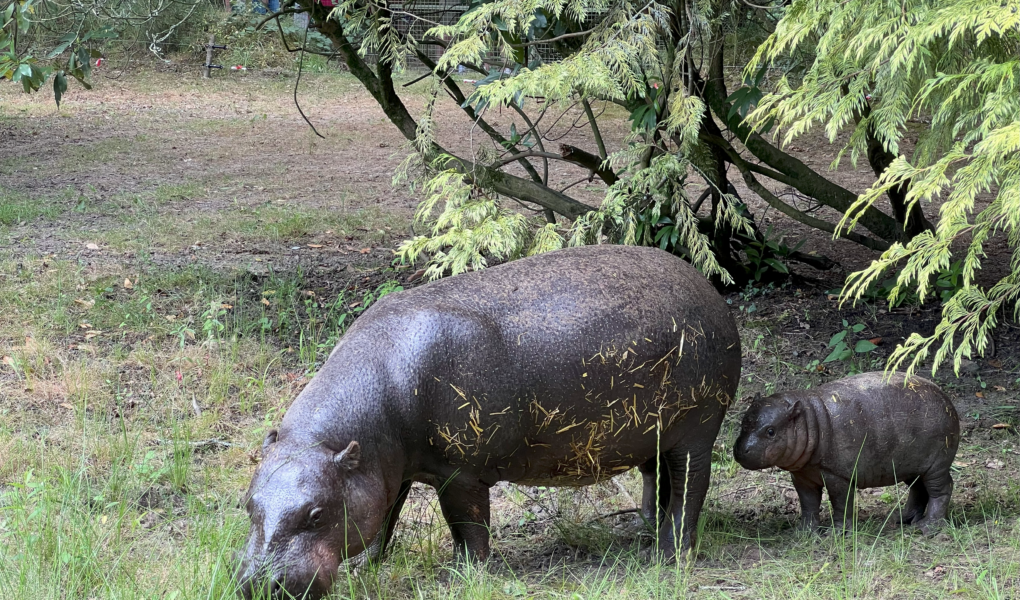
(771,432)
(315,516)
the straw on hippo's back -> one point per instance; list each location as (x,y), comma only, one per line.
(560,369)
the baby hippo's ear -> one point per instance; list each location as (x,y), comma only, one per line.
(348,458)
(271,436)
(757,398)
(796,408)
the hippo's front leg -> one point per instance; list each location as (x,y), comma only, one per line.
(809,490)
(841,495)
(465,506)
(382,541)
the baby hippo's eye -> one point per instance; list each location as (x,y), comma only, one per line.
(315,516)
(771,432)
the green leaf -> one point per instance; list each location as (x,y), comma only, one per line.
(837,339)
(59,87)
(841,352)
(864,346)
(58,50)
(775,264)
(858,328)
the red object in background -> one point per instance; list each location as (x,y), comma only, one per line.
(328,3)
(99,62)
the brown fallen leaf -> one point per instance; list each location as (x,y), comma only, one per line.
(365,250)
(128,285)
(960,464)
(315,246)
(996,363)
(979,394)
(1001,426)
(66,405)
(92,246)
(999,388)
(86,303)
(876,340)
(226,306)
(7,360)
(995,464)
(266,302)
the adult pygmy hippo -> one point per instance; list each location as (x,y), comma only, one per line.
(564,368)
(859,432)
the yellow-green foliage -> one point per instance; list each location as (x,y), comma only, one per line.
(956,62)
(625,47)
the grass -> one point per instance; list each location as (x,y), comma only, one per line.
(131,414)
(124,456)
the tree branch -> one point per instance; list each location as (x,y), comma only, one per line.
(589,161)
(795,214)
(801,176)
(879,158)
(458,97)
(594,128)
(381,89)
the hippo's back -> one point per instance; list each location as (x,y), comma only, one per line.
(568,362)
(583,289)
(875,420)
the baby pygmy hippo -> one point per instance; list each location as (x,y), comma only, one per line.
(858,432)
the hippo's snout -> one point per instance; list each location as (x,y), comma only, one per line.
(265,583)
(748,455)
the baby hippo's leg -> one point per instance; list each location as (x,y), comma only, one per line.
(917,503)
(841,495)
(939,485)
(810,494)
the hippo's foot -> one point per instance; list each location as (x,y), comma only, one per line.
(928,526)
(808,522)
(664,554)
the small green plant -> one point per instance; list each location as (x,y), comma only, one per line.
(841,350)
(764,254)
(213,319)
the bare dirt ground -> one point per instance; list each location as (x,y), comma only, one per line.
(169,181)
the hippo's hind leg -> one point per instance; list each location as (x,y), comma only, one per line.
(939,485)
(917,503)
(689,473)
(655,494)
(465,505)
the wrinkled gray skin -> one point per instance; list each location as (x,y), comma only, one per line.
(855,433)
(565,368)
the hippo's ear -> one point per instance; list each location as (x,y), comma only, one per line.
(757,398)
(796,408)
(349,457)
(271,436)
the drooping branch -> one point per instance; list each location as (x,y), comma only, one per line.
(797,215)
(484,125)
(381,88)
(799,175)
